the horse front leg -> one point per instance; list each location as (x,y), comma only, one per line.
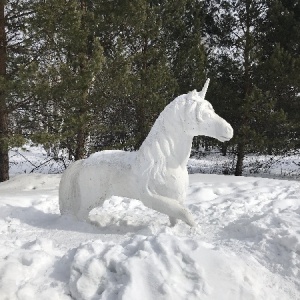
(169,207)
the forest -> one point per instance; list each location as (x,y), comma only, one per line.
(86,75)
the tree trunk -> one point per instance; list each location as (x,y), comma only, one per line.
(80,144)
(240,160)
(4,160)
(140,133)
(247,79)
(82,132)
(224,149)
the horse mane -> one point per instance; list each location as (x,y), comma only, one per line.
(159,145)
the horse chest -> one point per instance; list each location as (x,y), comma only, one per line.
(175,185)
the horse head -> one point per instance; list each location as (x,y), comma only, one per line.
(200,118)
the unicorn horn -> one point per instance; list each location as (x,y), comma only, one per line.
(204,90)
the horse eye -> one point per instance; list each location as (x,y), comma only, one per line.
(207,115)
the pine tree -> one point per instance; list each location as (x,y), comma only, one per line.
(158,46)
(280,67)
(70,58)
(15,72)
(93,75)
(235,30)
(183,24)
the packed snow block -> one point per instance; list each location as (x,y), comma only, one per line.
(156,174)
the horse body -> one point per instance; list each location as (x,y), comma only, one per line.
(156,174)
(87,183)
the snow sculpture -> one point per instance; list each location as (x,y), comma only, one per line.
(156,174)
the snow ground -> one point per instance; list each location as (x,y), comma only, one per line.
(246,246)
(268,166)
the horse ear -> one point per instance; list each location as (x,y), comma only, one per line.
(204,90)
(192,95)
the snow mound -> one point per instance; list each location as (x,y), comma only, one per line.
(166,267)
(247,244)
(27,182)
(26,273)
(124,213)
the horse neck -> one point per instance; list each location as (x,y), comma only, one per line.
(182,147)
(164,131)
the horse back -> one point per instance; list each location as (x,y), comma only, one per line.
(110,172)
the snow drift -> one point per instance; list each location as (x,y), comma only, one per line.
(247,244)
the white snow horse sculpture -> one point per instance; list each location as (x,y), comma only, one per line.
(156,174)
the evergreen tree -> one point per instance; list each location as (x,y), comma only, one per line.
(280,63)
(90,75)
(70,57)
(157,45)
(183,24)
(16,68)
(235,30)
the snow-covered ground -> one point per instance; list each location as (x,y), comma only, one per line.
(246,245)
(270,166)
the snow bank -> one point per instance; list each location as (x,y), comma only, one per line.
(166,267)
(246,246)
(27,273)
(269,166)
(35,159)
